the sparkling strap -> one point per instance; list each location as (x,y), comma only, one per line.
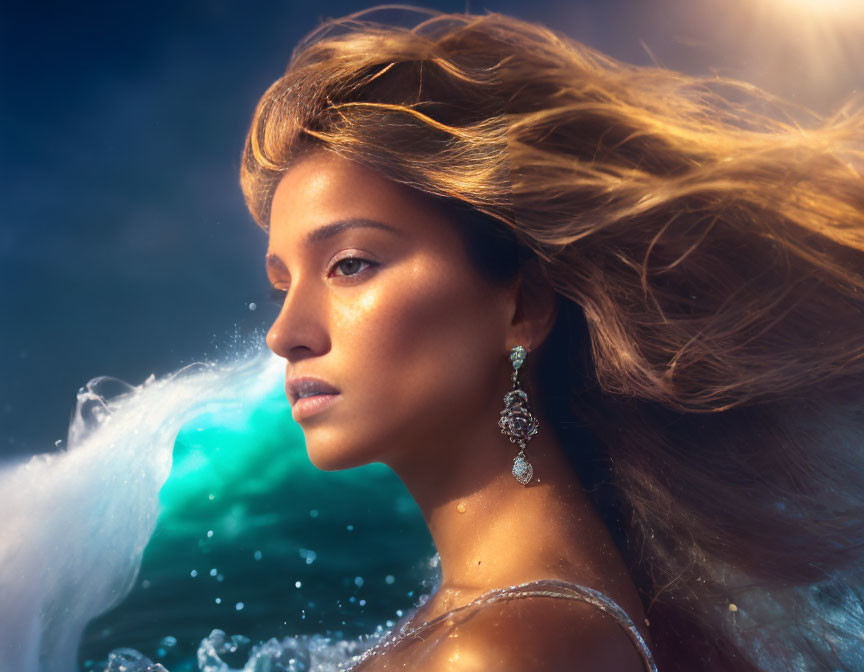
(580,593)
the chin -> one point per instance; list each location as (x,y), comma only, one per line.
(329,458)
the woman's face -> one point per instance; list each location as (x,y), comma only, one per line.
(389,313)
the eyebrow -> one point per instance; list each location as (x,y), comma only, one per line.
(330,230)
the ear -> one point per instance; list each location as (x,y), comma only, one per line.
(536,307)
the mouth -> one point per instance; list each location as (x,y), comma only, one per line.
(299,389)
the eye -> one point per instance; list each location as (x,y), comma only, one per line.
(277,296)
(352,262)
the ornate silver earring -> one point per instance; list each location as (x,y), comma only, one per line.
(516,420)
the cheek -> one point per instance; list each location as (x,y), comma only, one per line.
(422,352)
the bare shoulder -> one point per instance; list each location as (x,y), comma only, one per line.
(534,634)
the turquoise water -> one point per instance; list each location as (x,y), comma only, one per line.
(249,537)
(252,539)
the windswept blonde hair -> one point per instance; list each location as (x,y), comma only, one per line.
(708,253)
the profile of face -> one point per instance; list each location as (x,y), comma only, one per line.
(382,303)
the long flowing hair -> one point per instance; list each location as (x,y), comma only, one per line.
(706,243)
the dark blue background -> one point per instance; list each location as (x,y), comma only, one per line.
(125,247)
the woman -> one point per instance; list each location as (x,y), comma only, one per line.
(604,323)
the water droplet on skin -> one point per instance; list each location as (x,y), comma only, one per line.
(461,508)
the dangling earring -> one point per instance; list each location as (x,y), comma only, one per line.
(516,420)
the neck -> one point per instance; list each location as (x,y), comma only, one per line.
(491,531)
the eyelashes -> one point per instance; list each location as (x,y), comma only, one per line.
(277,296)
(360,259)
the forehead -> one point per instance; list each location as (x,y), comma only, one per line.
(323,187)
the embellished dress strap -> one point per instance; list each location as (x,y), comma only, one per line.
(555,588)
(574,591)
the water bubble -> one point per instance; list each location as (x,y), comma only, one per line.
(257,555)
(358,581)
(58,442)
(211,496)
(297,584)
(253,306)
(313,513)
(209,534)
(145,584)
(309,555)
(389,579)
(399,613)
(193,573)
(350,528)
(362,603)
(220,578)
(218,600)
(168,641)
(239,606)
(214,572)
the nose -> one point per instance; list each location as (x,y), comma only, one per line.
(300,326)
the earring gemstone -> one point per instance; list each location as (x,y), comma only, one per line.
(522,470)
(517,356)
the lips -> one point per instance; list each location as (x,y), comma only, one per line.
(306,386)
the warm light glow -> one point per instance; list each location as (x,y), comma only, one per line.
(825,6)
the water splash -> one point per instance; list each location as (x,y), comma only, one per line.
(76,522)
(306,653)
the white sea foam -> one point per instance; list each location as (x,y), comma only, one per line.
(75,523)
